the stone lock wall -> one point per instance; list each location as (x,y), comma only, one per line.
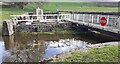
(7,28)
(43,27)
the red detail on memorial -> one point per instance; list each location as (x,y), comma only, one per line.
(103,21)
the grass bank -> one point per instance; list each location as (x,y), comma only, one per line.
(105,54)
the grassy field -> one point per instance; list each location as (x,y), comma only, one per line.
(6,12)
(105,54)
(82,7)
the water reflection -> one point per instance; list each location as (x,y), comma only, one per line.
(34,48)
(23,51)
(27,48)
(1,50)
(63,45)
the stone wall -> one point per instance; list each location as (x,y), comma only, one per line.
(43,27)
(7,28)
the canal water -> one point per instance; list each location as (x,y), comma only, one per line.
(37,47)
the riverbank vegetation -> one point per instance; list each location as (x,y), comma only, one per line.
(105,54)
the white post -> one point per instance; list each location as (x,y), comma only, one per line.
(80,18)
(69,16)
(74,16)
(118,20)
(42,14)
(92,19)
(77,17)
(97,18)
(65,17)
(83,17)
(45,18)
(108,19)
(58,18)
(37,13)
(16,19)
(31,20)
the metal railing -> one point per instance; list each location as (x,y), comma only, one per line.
(112,20)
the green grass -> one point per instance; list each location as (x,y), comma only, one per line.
(105,54)
(82,7)
(6,12)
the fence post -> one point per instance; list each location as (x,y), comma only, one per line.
(89,18)
(118,21)
(108,19)
(58,18)
(92,19)
(97,18)
(69,16)
(77,17)
(72,16)
(45,18)
(83,17)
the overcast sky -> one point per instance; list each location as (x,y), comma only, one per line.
(60,0)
